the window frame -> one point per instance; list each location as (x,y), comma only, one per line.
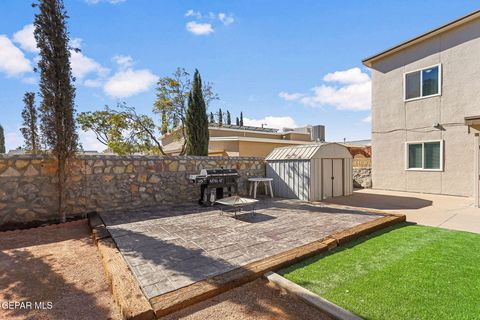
(439,93)
(423,155)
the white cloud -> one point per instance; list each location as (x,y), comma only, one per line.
(226,19)
(199,29)
(351,90)
(193,13)
(76,43)
(12,60)
(290,96)
(93,83)
(271,122)
(354,75)
(367,119)
(89,141)
(13,139)
(83,66)
(129,82)
(123,61)
(26,39)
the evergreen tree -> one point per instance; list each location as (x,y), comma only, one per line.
(2,140)
(220,117)
(241,119)
(30,127)
(212,118)
(164,128)
(57,109)
(237,121)
(196,121)
(229,118)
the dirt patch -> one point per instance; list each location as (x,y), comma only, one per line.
(256,300)
(57,264)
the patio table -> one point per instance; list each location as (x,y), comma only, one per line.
(254,182)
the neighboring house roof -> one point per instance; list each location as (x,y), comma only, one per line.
(253,139)
(247,128)
(427,35)
(357,143)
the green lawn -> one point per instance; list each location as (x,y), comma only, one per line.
(403,272)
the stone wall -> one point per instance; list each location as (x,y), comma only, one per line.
(362,177)
(28,184)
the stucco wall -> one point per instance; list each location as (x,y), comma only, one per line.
(28,184)
(395,121)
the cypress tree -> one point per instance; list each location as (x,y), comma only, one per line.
(220,117)
(57,109)
(164,128)
(237,121)
(241,119)
(2,140)
(30,127)
(212,118)
(229,118)
(196,121)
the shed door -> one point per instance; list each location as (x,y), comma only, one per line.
(332,170)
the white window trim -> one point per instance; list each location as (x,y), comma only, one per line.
(423,152)
(421,83)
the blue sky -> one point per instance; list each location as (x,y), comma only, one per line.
(282,63)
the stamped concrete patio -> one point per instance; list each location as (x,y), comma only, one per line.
(173,247)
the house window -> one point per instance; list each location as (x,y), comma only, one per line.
(427,155)
(422,83)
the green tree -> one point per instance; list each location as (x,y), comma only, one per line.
(220,117)
(57,110)
(212,118)
(30,127)
(237,121)
(2,140)
(229,118)
(172,97)
(241,119)
(196,120)
(164,123)
(123,130)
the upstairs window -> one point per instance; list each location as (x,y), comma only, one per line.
(422,83)
(424,155)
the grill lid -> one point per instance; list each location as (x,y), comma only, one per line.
(218,172)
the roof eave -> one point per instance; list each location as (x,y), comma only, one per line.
(427,35)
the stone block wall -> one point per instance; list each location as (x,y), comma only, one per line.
(362,177)
(28,184)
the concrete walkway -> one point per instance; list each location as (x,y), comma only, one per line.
(456,213)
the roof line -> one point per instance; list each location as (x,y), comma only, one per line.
(457,22)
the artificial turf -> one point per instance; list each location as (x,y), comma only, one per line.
(403,272)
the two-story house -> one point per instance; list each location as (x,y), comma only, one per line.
(426,111)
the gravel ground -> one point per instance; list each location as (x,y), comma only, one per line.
(256,300)
(57,264)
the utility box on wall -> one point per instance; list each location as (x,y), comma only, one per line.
(311,172)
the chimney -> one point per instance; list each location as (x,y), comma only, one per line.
(317,133)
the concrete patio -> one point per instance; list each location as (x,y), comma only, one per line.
(450,212)
(172,247)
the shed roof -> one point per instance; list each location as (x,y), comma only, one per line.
(306,152)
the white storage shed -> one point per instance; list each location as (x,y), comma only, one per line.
(311,172)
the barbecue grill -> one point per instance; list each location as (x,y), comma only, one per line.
(214,182)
